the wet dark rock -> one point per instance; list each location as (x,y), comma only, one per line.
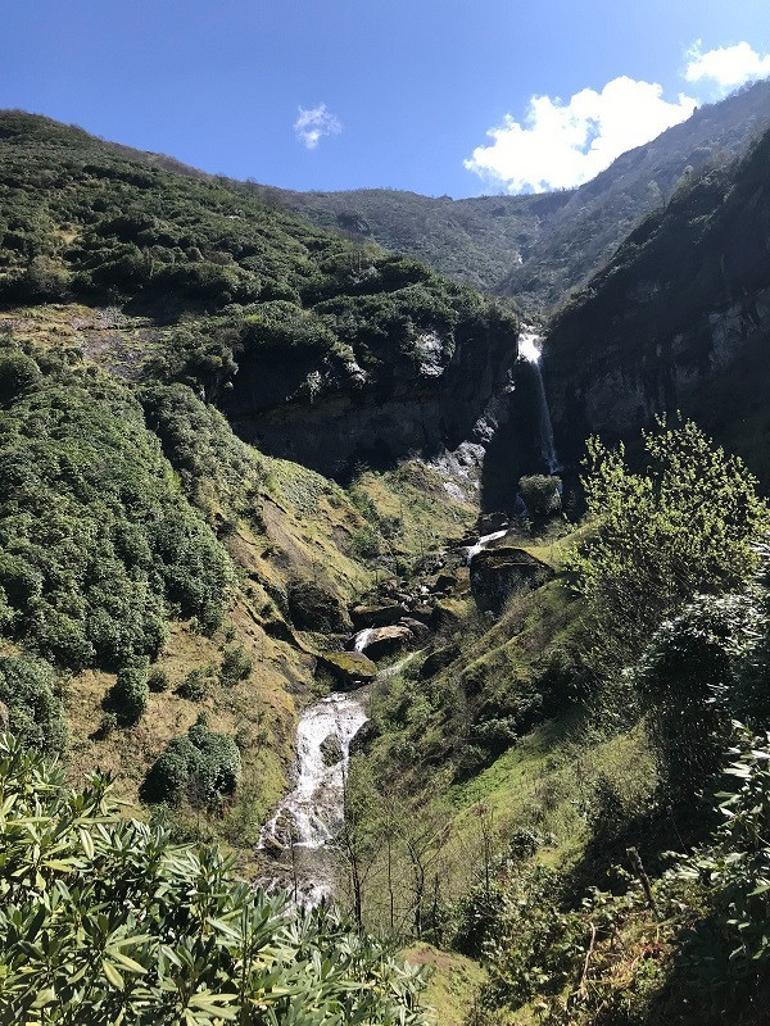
(331,750)
(488,523)
(377,615)
(498,573)
(363,738)
(422,612)
(417,627)
(446,582)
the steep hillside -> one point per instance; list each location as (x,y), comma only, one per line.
(679,319)
(472,240)
(168,591)
(286,326)
(583,234)
(538,248)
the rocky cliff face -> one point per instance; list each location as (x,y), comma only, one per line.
(678,320)
(428,394)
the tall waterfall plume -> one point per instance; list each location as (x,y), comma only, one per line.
(530,349)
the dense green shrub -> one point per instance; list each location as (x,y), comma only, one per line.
(97,546)
(29,689)
(694,680)
(19,374)
(687,523)
(236,665)
(104,920)
(201,767)
(129,694)
(542,495)
(213,463)
(158,680)
(195,685)
(734,865)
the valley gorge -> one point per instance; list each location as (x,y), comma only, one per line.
(384,591)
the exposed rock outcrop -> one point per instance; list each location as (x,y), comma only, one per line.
(427,395)
(498,573)
(312,608)
(679,320)
(331,750)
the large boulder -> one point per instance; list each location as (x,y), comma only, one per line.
(348,669)
(313,608)
(417,627)
(377,615)
(498,573)
(378,642)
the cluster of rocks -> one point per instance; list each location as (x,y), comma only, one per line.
(406,612)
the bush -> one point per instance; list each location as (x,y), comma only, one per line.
(97,546)
(148,932)
(158,680)
(688,523)
(19,374)
(129,694)
(694,680)
(236,665)
(29,689)
(201,767)
(542,496)
(195,686)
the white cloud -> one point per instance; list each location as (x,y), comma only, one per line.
(561,145)
(726,67)
(313,123)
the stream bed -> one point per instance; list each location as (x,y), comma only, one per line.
(298,841)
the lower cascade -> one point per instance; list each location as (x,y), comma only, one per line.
(299,838)
(311,815)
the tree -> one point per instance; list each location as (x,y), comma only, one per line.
(687,523)
(695,679)
(542,496)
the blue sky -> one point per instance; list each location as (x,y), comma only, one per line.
(402,92)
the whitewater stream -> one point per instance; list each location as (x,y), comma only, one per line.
(299,839)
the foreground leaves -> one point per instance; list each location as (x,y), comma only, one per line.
(103,921)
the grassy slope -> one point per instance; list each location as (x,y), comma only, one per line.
(306,528)
(452,986)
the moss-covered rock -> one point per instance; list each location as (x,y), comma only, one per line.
(348,669)
(377,615)
(313,608)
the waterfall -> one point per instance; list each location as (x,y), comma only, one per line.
(530,349)
(361,640)
(310,816)
(483,543)
(299,839)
